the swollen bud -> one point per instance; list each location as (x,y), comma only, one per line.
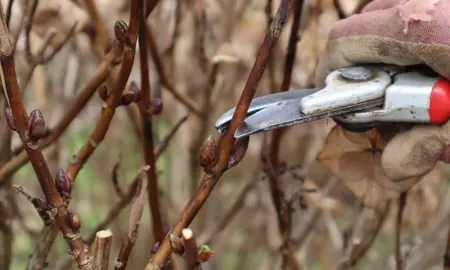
(122,32)
(62,181)
(103,92)
(136,91)
(10,119)
(208,154)
(73,220)
(176,244)
(36,126)
(156,106)
(204,253)
(155,247)
(126,98)
(238,151)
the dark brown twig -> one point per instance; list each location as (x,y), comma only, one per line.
(146,116)
(398,229)
(133,224)
(227,140)
(115,180)
(169,136)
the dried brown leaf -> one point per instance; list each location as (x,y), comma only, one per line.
(356,159)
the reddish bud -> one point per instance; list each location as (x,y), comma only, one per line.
(122,32)
(156,106)
(73,220)
(103,92)
(208,154)
(62,181)
(126,98)
(238,151)
(136,91)
(204,253)
(176,244)
(10,119)
(36,126)
(39,203)
(155,247)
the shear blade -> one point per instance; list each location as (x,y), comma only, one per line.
(288,113)
(264,102)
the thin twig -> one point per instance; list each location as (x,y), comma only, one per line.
(190,249)
(163,76)
(40,58)
(169,136)
(101,36)
(102,250)
(115,180)
(366,229)
(398,228)
(226,141)
(133,224)
(144,107)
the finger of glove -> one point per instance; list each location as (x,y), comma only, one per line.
(411,153)
(380,5)
(379,37)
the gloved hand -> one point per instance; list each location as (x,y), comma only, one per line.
(404,33)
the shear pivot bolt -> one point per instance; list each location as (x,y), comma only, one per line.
(357,74)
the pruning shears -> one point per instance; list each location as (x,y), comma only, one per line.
(357,97)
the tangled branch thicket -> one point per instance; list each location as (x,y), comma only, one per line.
(110,158)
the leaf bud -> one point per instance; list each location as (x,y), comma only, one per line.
(36,126)
(62,181)
(103,92)
(176,245)
(136,91)
(156,106)
(204,253)
(238,151)
(73,220)
(126,98)
(10,119)
(208,154)
(122,32)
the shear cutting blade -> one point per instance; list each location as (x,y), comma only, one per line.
(264,102)
(288,113)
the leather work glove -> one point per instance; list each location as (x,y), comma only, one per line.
(400,32)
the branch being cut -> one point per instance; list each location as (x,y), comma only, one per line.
(227,140)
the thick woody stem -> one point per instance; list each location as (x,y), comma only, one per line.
(211,178)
